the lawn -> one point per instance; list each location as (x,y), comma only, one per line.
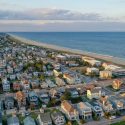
(33,115)
(119,123)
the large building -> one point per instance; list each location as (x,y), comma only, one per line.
(92,61)
(105,74)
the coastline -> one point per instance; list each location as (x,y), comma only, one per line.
(115,60)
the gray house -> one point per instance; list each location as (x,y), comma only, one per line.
(44,119)
(44,97)
(13,120)
(33,98)
(9,103)
(58,118)
(29,121)
(5,85)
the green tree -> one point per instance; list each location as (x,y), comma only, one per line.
(66,96)
(42,77)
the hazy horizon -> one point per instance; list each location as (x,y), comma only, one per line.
(62,15)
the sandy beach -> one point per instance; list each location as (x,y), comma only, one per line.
(115,60)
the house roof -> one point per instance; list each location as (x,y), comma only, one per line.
(45,117)
(9,98)
(29,121)
(12,120)
(117,81)
(32,93)
(96,90)
(55,114)
(90,86)
(82,105)
(104,99)
(68,106)
(20,95)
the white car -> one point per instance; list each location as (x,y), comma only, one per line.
(112,117)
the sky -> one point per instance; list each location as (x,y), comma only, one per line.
(62,15)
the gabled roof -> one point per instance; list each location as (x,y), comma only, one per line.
(20,95)
(32,93)
(29,121)
(68,106)
(45,117)
(55,114)
(13,120)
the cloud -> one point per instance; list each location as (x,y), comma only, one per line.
(56,25)
(46,19)
(47,14)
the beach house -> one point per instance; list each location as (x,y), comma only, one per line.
(116,84)
(106,74)
(70,112)
(5,85)
(72,78)
(59,81)
(119,104)
(29,121)
(9,102)
(91,61)
(73,92)
(33,99)
(16,86)
(106,104)
(44,119)
(58,118)
(21,98)
(13,120)
(96,108)
(93,70)
(95,93)
(44,97)
(57,72)
(109,66)
(84,110)
(119,72)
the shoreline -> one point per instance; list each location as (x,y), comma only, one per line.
(108,58)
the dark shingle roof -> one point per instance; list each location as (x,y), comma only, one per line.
(45,117)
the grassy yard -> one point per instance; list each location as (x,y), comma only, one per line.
(33,115)
(119,123)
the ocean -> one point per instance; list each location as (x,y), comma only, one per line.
(107,43)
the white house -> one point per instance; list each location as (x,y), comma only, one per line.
(96,93)
(5,85)
(59,81)
(50,83)
(72,78)
(96,108)
(84,110)
(92,61)
(110,67)
(56,72)
(44,119)
(70,112)
(106,104)
(106,74)
(58,118)
(92,70)
(44,85)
